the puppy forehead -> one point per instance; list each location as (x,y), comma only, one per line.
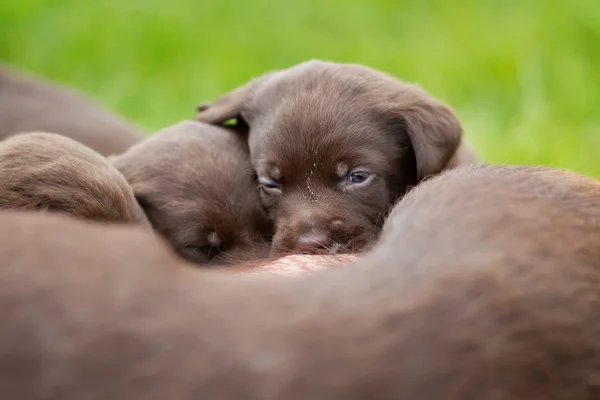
(317,80)
(321,136)
(189,164)
(216,222)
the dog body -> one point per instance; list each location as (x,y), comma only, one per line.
(195,183)
(335,145)
(484,285)
(32,104)
(51,172)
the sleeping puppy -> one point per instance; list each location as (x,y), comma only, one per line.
(334,146)
(50,172)
(196,185)
(485,285)
(30,103)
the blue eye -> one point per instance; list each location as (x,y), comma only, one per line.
(269,183)
(358,177)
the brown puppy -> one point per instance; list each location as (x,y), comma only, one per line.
(335,145)
(196,185)
(485,285)
(50,172)
(30,103)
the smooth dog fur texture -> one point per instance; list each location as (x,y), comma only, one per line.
(485,285)
(29,103)
(335,145)
(197,187)
(50,172)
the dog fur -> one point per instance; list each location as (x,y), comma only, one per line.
(29,103)
(485,285)
(50,172)
(315,127)
(196,185)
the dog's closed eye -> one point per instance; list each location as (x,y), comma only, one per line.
(205,250)
(267,237)
(199,254)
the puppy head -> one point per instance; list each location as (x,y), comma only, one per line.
(196,185)
(334,145)
(50,172)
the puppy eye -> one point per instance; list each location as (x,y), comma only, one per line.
(200,254)
(210,251)
(269,183)
(267,238)
(358,177)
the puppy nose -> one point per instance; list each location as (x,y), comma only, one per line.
(313,240)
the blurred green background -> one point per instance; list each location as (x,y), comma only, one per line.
(523,76)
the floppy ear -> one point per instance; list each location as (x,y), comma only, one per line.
(224,108)
(433,129)
(231,104)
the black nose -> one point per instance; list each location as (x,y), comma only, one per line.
(314,240)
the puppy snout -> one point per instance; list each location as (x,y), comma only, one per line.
(308,231)
(314,240)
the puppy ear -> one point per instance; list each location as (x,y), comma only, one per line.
(433,130)
(224,108)
(231,104)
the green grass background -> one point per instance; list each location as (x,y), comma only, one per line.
(523,76)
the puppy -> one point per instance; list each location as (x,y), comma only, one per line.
(196,185)
(334,146)
(29,103)
(485,284)
(50,172)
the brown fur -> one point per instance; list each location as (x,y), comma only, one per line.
(196,185)
(29,103)
(50,172)
(312,125)
(485,285)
